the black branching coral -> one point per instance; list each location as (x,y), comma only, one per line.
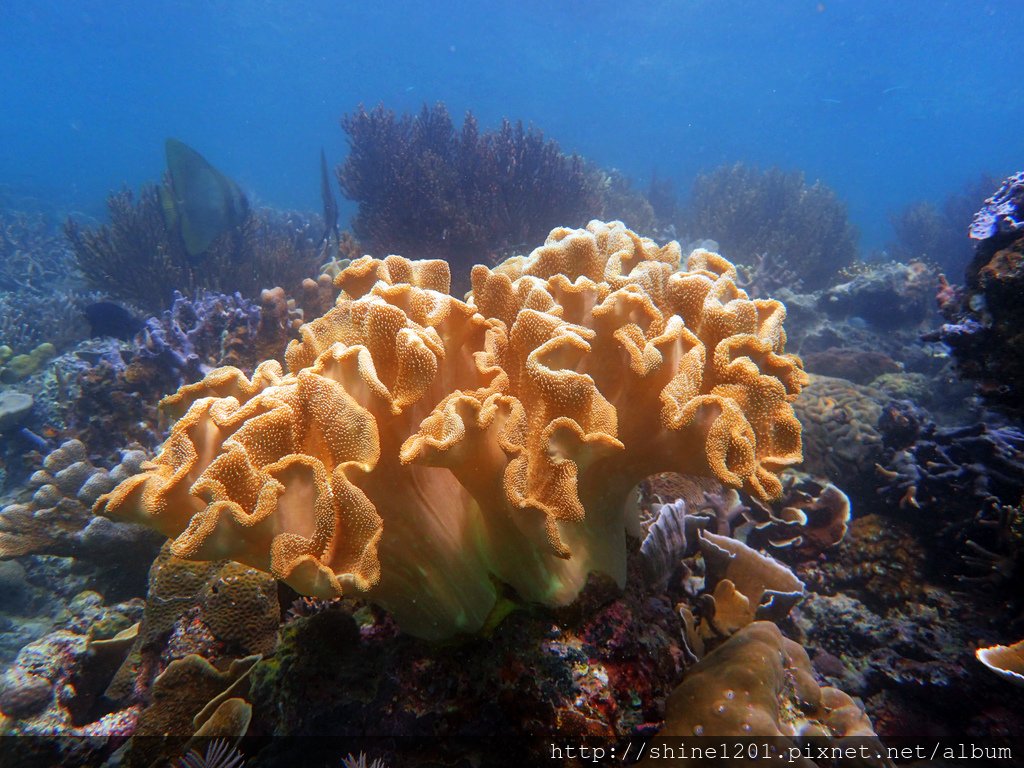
(429,190)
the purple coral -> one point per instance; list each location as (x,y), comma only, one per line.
(1003,213)
(955,482)
(958,469)
(188,337)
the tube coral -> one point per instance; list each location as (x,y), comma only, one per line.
(421,447)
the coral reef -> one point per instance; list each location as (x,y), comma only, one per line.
(985,315)
(204,627)
(1003,212)
(428,190)
(522,515)
(34,258)
(503,436)
(910,658)
(983,328)
(103,391)
(838,340)
(219,608)
(749,211)
(960,485)
(764,274)
(193,703)
(592,673)
(14,368)
(94,393)
(858,366)
(757,684)
(842,333)
(52,702)
(138,258)
(40,317)
(880,563)
(25,613)
(924,231)
(466,467)
(840,434)
(194,336)
(958,469)
(57,518)
(29,320)
(886,295)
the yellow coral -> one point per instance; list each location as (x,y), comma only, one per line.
(420,445)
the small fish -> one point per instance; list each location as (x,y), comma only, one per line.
(107,318)
(330,206)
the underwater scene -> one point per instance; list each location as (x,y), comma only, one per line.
(485,385)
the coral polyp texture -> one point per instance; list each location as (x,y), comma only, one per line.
(421,448)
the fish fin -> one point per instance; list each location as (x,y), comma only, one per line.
(169,208)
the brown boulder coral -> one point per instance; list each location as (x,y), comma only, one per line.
(56,520)
(757,684)
(420,446)
(840,430)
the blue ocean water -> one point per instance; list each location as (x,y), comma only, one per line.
(885,102)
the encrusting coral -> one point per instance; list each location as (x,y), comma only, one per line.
(1007,661)
(421,446)
(758,683)
(742,585)
(810,518)
(840,434)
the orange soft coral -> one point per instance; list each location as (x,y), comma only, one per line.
(421,446)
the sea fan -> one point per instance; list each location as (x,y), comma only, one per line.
(219,754)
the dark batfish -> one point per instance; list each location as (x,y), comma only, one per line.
(330,205)
(109,319)
(199,201)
